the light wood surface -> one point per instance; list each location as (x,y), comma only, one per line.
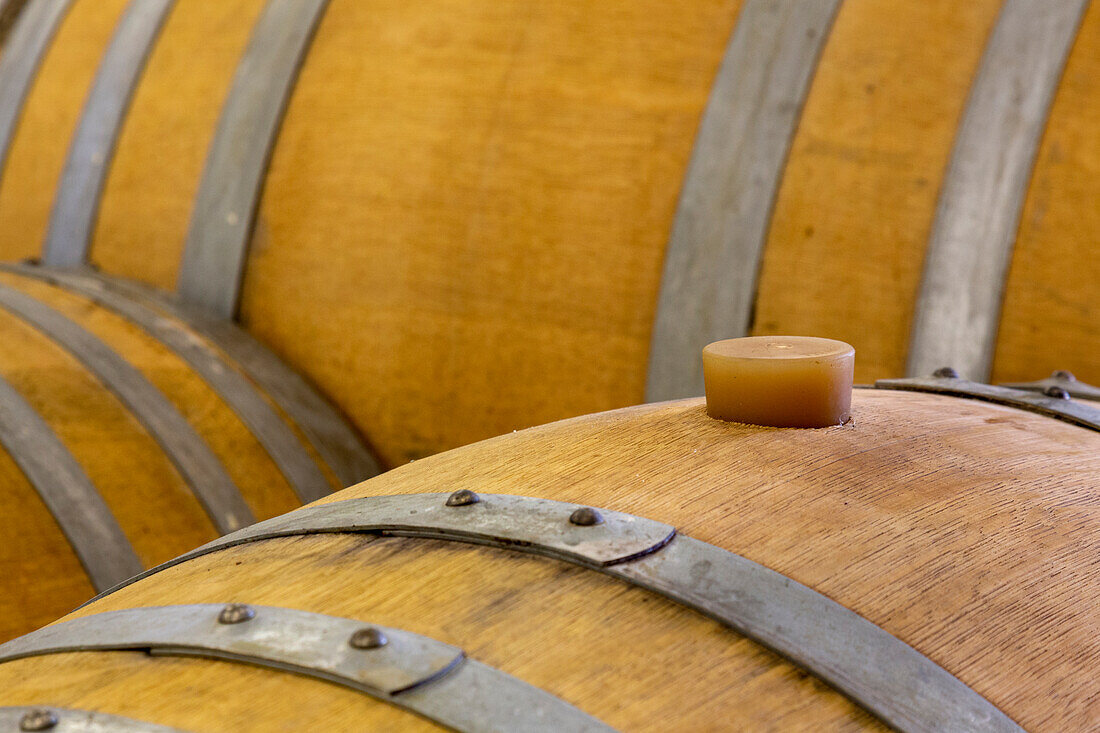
(966,529)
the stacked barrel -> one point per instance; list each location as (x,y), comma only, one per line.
(132,431)
(461,220)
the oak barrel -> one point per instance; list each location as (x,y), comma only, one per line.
(943,549)
(131,431)
(549,208)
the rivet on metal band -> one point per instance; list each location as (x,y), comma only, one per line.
(67,720)
(85,519)
(235,389)
(192,457)
(1079,413)
(1062,380)
(414,672)
(883,674)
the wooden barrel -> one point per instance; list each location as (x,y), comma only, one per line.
(131,431)
(544,208)
(932,565)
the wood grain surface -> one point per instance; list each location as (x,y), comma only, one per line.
(966,529)
(464,224)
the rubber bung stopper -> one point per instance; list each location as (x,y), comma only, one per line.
(780,381)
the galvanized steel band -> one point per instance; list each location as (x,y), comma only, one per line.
(76,204)
(225,206)
(68,493)
(192,457)
(414,672)
(717,240)
(242,396)
(1060,407)
(970,247)
(330,434)
(883,674)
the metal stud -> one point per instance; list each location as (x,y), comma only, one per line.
(41,719)
(236,613)
(463,497)
(585,517)
(1056,392)
(1063,375)
(946,373)
(368,638)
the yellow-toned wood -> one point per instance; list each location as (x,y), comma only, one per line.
(153,506)
(50,114)
(852,216)
(42,576)
(1051,311)
(968,530)
(483,204)
(252,469)
(151,187)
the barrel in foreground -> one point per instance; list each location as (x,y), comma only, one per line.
(931,563)
(132,432)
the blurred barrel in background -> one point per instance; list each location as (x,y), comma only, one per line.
(459,220)
(963,529)
(131,431)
